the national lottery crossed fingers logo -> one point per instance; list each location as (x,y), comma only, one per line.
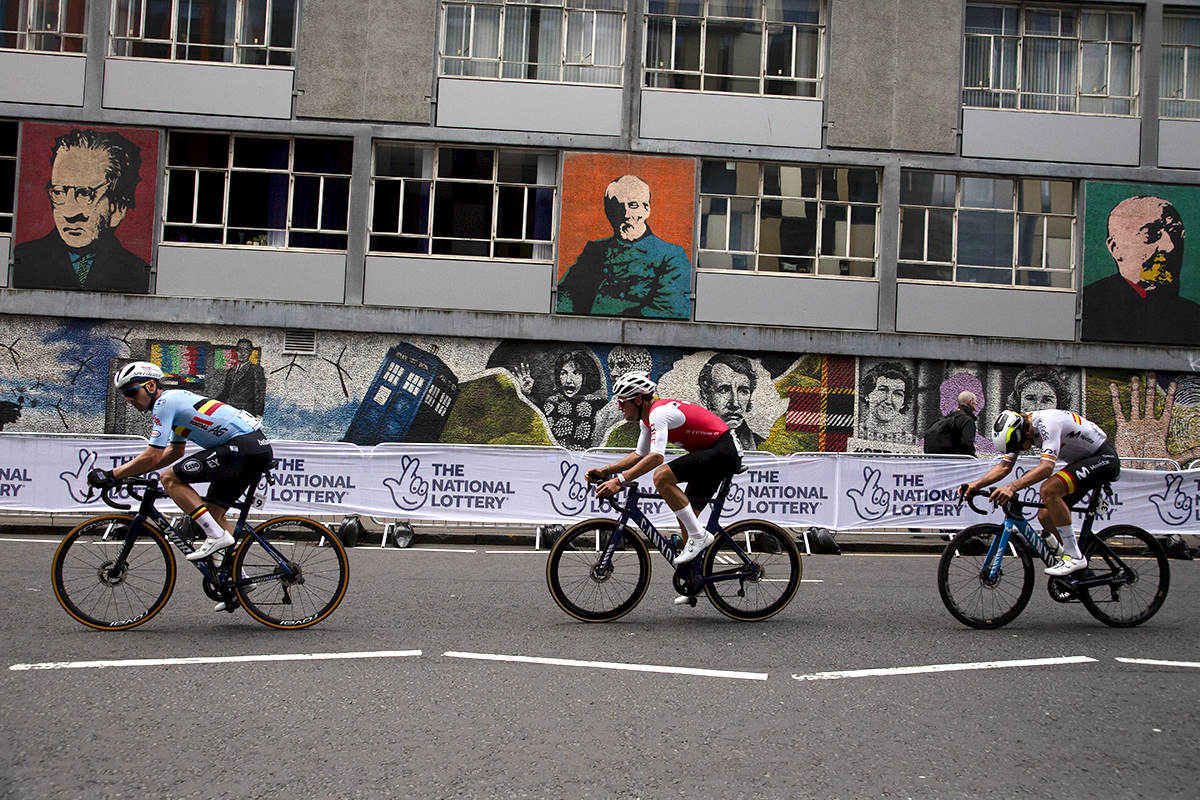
(445,485)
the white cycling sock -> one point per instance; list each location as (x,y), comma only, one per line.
(689,520)
(1069,541)
(205,520)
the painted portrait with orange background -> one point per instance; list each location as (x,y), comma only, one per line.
(626,236)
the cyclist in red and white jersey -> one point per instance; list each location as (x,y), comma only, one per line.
(236,452)
(1056,435)
(713,455)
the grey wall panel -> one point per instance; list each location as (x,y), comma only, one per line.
(44,78)
(731,118)
(527,106)
(366,60)
(185,87)
(1042,136)
(766,299)
(517,286)
(251,274)
(894,78)
(1179,144)
(985,311)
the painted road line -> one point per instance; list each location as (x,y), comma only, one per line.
(570,662)
(1156,663)
(377,549)
(874,673)
(171,662)
(39,541)
(506,552)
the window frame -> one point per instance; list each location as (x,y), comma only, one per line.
(494,67)
(67,32)
(1187,106)
(8,176)
(291,229)
(1015,269)
(1012,90)
(820,258)
(425,230)
(174,47)
(705,80)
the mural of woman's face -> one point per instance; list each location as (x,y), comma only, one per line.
(570,378)
(1038,396)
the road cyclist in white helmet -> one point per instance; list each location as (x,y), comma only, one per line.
(1055,435)
(235,451)
(713,454)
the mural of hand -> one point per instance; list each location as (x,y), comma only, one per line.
(1174,505)
(1141,435)
(77,483)
(569,496)
(410,491)
(871,501)
(524,378)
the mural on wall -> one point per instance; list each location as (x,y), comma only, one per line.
(1140,284)
(56,377)
(1147,415)
(898,399)
(612,260)
(85,208)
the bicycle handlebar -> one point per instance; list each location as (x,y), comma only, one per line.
(131,485)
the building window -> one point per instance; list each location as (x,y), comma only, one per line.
(54,26)
(1000,231)
(8,173)
(789,219)
(251,190)
(463,201)
(1063,58)
(572,41)
(1180,79)
(228,31)
(766,47)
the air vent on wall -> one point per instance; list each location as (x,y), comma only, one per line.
(299,342)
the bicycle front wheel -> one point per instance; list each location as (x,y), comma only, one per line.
(1138,573)
(969,594)
(297,581)
(89,589)
(584,585)
(757,590)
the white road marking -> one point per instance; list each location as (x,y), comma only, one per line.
(27,539)
(570,662)
(507,552)
(375,549)
(1156,663)
(873,673)
(171,662)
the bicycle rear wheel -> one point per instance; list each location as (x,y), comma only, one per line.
(87,590)
(1139,574)
(760,591)
(973,598)
(301,590)
(588,590)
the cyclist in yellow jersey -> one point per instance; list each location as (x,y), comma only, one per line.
(1056,435)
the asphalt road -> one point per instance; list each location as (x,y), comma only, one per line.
(420,712)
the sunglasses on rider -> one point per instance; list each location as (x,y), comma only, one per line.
(130,391)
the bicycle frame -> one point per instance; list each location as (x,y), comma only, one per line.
(1015,521)
(630,512)
(220,576)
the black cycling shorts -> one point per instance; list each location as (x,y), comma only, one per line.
(1101,467)
(228,468)
(704,470)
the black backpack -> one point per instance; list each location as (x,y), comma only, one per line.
(939,437)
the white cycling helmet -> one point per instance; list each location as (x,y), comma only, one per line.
(631,384)
(137,372)
(1008,432)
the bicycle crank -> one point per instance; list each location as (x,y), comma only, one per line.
(1062,591)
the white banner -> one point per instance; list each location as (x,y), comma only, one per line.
(545,485)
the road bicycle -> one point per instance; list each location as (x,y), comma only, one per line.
(985,574)
(116,571)
(599,570)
